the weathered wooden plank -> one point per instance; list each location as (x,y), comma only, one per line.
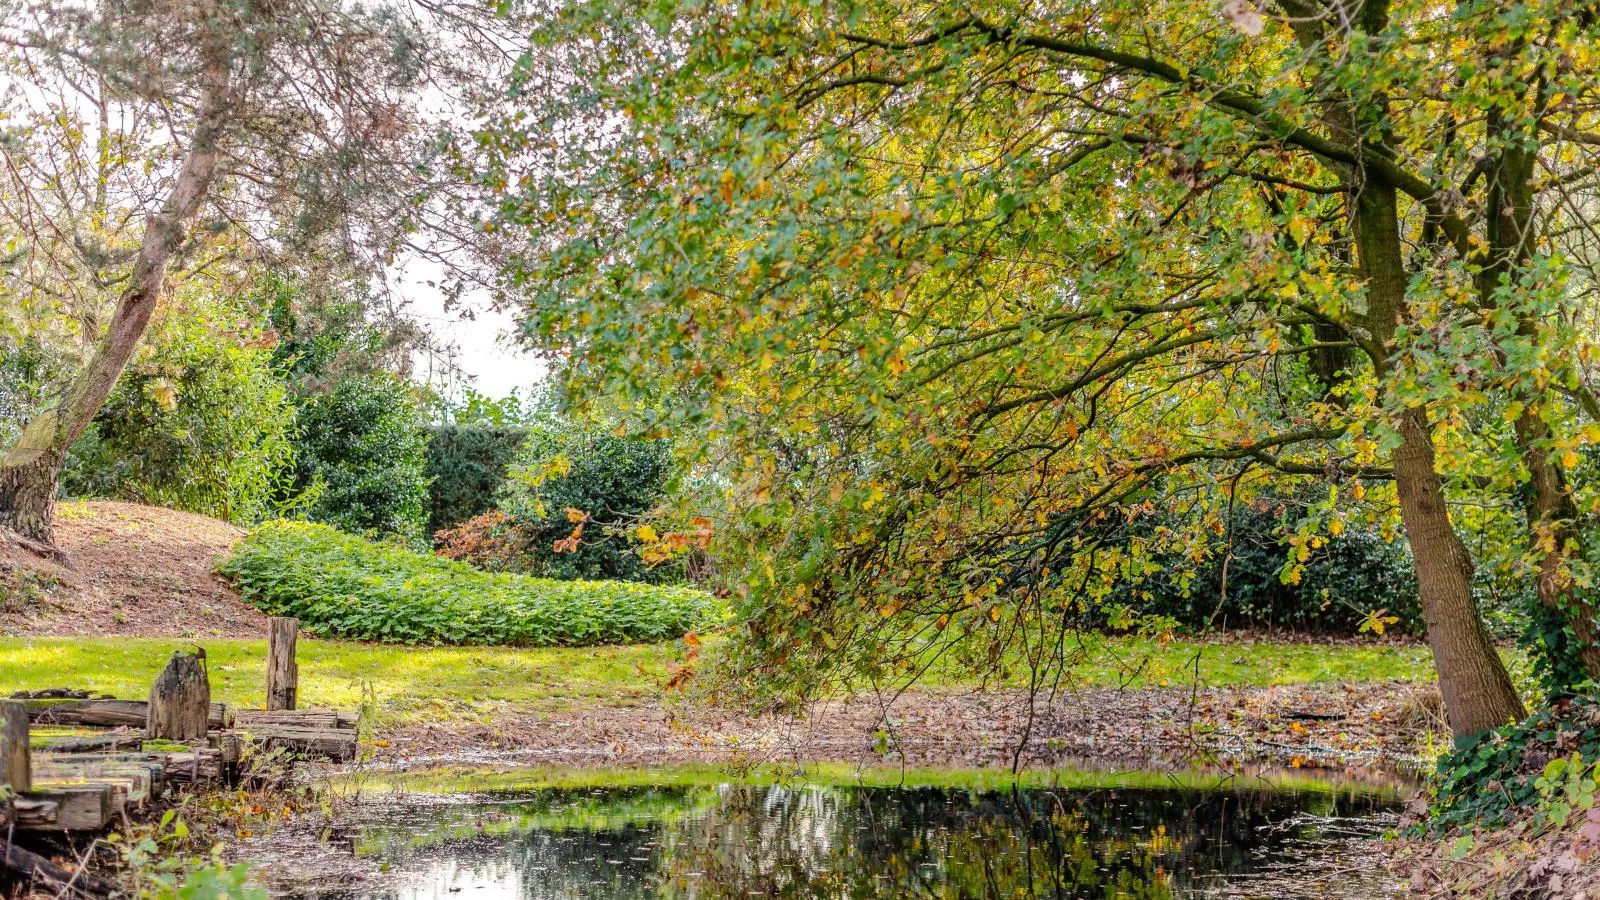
(296,718)
(283,675)
(134,780)
(16,765)
(338,744)
(86,807)
(110,713)
(181,767)
(59,694)
(57,881)
(111,742)
(34,812)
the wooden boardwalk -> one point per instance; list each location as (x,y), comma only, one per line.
(72,761)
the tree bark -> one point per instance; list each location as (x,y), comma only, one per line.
(1550,514)
(16,759)
(31,471)
(1551,518)
(1478,694)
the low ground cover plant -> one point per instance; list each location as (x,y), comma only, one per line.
(1543,768)
(342,586)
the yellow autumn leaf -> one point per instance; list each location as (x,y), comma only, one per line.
(164,394)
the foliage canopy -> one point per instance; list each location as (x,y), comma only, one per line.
(945,293)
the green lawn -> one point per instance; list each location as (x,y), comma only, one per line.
(419,682)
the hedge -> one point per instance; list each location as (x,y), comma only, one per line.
(466,466)
(342,586)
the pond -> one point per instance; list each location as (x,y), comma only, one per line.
(1046,835)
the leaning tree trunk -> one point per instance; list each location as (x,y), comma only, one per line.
(1477,691)
(31,471)
(1478,694)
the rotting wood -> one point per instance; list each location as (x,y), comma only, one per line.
(58,881)
(15,764)
(283,674)
(296,718)
(104,743)
(87,807)
(180,699)
(134,781)
(181,767)
(58,694)
(229,749)
(337,744)
(110,713)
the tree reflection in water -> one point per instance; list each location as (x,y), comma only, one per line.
(845,842)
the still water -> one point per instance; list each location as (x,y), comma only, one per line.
(1241,838)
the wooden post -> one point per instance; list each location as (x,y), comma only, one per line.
(283,675)
(180,700)
(230,748)
(16,768)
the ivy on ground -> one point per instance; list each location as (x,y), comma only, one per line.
(343,586)
(1513,771)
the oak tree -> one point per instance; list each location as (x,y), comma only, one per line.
(949,293)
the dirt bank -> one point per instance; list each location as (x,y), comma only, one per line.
(132,570)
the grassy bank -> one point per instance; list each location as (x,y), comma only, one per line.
(457,779)
(418,682)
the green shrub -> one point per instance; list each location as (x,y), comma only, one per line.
(466,466)
(363,456)
(29,368)
(198,422)
(612,480)
(1345,581)
(342,586)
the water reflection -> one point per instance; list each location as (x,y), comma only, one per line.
(846,842)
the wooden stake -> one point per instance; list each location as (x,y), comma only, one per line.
(16,768)
(283,675)
(180,700)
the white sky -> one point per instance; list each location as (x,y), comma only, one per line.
(483,351)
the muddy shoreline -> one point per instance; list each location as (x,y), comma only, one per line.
(1385,723)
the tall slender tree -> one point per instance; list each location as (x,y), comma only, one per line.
(151,137)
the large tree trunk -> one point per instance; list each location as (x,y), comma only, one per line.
(1551,517)
(1548,509)
(1478,693)
(30,472)
(28,477)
